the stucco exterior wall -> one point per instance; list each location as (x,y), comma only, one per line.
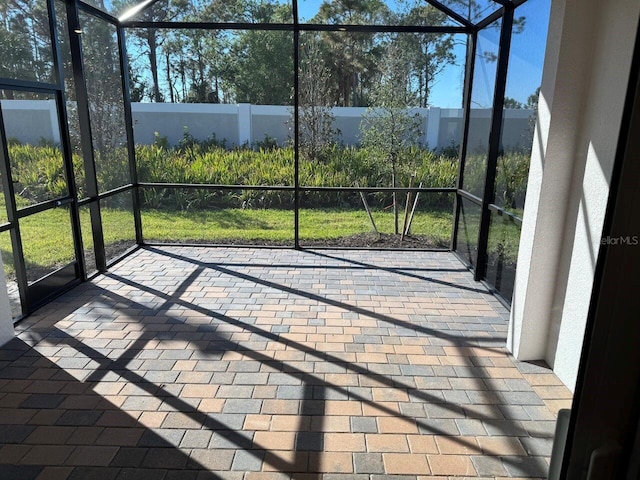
(582,97)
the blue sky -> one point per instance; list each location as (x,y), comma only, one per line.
(525,62)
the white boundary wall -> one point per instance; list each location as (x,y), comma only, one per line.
(31,121)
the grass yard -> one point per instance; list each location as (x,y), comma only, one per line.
(276,226)
(48,244)
(47,239)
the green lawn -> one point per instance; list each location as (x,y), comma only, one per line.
(276,226)
(47,240)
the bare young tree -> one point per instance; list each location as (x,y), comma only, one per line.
(389,128)
(315,116)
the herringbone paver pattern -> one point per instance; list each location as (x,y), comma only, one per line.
(253,364)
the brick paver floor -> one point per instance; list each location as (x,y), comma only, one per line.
(185,363)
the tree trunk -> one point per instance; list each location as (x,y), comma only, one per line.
(202,90)
(427,80)
(153,63)
(169,81)
(183,78)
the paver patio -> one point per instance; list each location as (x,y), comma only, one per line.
(185,363)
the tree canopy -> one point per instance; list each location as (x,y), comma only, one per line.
(256,66)
(247,65)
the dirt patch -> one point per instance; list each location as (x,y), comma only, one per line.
(372,240)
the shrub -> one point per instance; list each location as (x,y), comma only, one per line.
(39,175)
(38,172)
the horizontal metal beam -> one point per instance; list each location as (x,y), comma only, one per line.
(378,249)
(378,189)
(291,188)
(210,186)
(41,207)
(386,28)
(107,194)
(115,191)
(289,27)
(288,246)
(284,246)
(180,25)
(28,86)
(87,201)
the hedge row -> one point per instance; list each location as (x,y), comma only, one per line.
(38,174)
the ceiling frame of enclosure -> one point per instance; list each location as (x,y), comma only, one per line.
(127,19)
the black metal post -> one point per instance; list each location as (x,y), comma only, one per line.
(84,119)
(65,142)
(296,124)
(494,141)
(466,114)
(12,216)
(128,121)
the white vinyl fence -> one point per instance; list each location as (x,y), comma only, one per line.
(31,121)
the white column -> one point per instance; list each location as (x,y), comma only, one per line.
(433,128)
(583,89)
(6,318)
(244,123)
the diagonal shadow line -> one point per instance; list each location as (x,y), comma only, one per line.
(400,271)
(336,303)
(478,380)
(140,343)
(310,380)
(303,442)
(301,347)
(120,366)
(307,407)
(191,463)
(180,405)
(354,367)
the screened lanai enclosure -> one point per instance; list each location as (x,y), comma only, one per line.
(264,123)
